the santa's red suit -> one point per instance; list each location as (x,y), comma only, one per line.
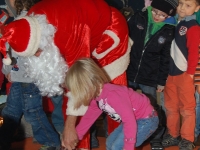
(84,28)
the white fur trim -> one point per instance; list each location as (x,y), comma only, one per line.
(119,66)
(70,107)
(7,61)
(35,34)
(115,44)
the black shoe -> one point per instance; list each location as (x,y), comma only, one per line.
(93,137)
(156,144)
(94,142)
(185,145)
(168,140)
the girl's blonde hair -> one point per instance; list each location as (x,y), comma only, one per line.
(84,80)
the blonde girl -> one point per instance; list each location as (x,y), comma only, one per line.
(89,86)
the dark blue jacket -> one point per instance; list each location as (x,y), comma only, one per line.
(149,63)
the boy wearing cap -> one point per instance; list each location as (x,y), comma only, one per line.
(152,32)
(179,89)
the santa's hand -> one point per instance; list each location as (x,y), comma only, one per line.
(39,51)
(70,137)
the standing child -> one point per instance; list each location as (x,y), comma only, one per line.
(152,31)
(90,86)
(179,91)
(24,98)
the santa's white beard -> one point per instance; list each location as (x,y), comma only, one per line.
(48,70)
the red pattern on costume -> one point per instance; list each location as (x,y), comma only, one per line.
(84,27)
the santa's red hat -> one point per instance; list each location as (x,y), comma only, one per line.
(25,31)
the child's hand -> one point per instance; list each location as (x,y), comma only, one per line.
(160,88)
(39,51)
(198,88)
(8,77)
(192,76)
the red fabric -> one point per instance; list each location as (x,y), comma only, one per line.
(8,85)
(47,104)
(193,36)
(14,37)
(78,22)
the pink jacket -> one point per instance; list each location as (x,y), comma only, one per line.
(121,104)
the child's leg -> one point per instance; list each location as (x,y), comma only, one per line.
(57,114)
(187,106)
(197,128)
(11,114)
(172,106)
(146,127)
(34,114)
(115,141)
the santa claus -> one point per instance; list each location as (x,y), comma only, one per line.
(59,32)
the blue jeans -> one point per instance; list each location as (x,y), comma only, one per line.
(57,114)
(145,88)
(152,91)
(25,98)
(197,127)
(148,90)
(145,128)
(162,101)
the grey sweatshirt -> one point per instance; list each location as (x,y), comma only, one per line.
(17,71)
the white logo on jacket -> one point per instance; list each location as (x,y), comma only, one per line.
(182,30)
(161,40)
(105,107)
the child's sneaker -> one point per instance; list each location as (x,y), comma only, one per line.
(185,145)
(168,140)
(156,144)
(45,147)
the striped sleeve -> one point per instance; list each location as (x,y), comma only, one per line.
(197,72)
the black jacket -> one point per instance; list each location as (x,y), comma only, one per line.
(149,63)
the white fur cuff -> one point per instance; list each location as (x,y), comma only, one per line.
(70,107)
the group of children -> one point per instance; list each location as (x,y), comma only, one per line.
(163,58)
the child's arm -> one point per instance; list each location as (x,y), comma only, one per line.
(88,119)
(6,71)
(131,23)
(193,36)
(164,62)
(123,107)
